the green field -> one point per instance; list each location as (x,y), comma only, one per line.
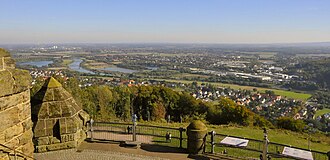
(322,112)
(288,94)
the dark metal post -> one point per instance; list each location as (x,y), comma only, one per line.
(181,130)
(212,133)
(134,118)
(168,136)
(266,141)
(328,155)
(204,143)
(91,123)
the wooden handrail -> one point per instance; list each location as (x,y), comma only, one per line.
(17,152)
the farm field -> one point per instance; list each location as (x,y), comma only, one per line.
(322,112)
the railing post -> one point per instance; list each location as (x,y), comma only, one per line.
(266,141)
(181,130)
(134,119)
(91,123)
(212,133)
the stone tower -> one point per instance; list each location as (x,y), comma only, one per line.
(15,109)
(58,121)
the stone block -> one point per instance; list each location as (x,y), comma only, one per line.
(27,149)
(4,156)
(6,83)
(57,146)
(48,96)
(22,80)
(13,131)
(60,94)
(14,100)
(43,113)
(84,117)
(71,126)
(27,125)
(2,138)
(39,129)
(9,63)
(53,140)
(24,111)
(13,143)
(54,109)
(72,144)
(50,124)
(42,141)
(63,129)
(41,149)
(67,137)
(66,111)
(25,137)
(4,53)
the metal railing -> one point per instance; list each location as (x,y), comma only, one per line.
(11,152)
(254,149)
(118,131)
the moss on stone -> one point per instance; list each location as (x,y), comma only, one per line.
(6,83)
(52,83)
(196,125)
(4,53)
(14,81)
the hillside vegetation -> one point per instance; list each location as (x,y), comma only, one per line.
(157,103)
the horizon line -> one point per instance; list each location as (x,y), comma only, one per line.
(203,43)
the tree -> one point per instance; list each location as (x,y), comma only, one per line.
(122,100)
(290,124)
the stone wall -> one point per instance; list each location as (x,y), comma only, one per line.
(15,108)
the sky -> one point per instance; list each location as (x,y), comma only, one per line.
(164,21)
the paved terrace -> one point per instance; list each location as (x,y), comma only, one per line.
(112,151)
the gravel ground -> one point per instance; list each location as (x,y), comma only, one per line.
(72,154)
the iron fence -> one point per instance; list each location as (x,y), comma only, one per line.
(254,148)
(118,131)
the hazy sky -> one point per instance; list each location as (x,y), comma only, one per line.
(184,21)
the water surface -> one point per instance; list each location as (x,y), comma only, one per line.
(75,65)
(36,63)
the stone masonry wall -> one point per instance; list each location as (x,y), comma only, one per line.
(15,109)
